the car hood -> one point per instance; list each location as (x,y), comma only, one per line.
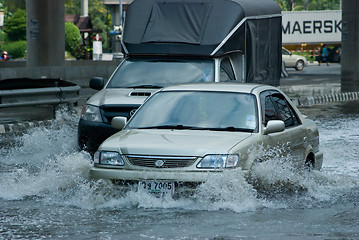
(120,96)
(173,142)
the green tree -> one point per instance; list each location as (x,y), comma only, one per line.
(324,5)
(101,20)
(72,38)
(15,49)
(299,5)
(99,15)
(72,6)
(15,26)
(13,5)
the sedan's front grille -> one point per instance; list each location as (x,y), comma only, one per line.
(161,161)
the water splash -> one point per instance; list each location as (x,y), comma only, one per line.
(44,163)
(228,190)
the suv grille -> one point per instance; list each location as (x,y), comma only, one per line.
(109,112)
(167,162)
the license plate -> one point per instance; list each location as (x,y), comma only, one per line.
(152,186)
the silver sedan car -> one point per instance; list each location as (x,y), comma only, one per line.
(183,134)
(293,61)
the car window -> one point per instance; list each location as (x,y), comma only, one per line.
(270,112)
(161,72)
(276,107)
(285,52)
(226,70)
(285,113)
(201,110)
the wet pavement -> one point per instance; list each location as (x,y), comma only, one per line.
(313,81)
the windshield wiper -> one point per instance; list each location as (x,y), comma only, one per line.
(182,127)
(179,126)
(232,129)
(146,86)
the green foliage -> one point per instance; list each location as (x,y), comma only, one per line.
(68,3)
(2,36)
(99,15)
(15,49)
(72,7)
(13,5)
(324,5)
(101,20)
(15,26)
(72,38)
(300,5)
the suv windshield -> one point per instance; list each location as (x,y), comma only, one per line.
(161,72)
(216,111)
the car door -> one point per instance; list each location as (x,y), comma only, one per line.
(277,144)
(298,140)
(287,58)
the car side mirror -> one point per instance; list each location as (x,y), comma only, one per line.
(274,126)
(118,122)
(97,83)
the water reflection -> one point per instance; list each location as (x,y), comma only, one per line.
(315,89)
(331,110)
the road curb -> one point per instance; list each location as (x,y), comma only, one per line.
(335,97)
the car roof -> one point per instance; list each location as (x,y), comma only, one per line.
(220,87)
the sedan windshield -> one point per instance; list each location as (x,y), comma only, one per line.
(216,111)
(147,73)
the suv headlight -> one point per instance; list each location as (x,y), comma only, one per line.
(219,161)
(108,158)
(91,113)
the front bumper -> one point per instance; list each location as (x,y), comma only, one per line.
(185,182)
(91,134)
(137,175)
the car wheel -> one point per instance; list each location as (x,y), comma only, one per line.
(299,65)
(309,163)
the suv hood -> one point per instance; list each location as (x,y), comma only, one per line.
(123,96)
(173,142)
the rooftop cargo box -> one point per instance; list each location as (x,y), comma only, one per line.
(208,28)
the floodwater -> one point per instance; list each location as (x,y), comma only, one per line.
(45,192)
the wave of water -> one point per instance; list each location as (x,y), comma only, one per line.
(44,164)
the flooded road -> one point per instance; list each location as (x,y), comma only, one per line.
(45,192)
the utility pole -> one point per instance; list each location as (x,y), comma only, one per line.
(350,46)
(45,33)
(84,8)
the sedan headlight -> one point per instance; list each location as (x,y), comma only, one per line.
(91,113)
(108,158)
(219,161)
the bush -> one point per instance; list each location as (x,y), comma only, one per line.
(72,38)
(2,34)
(15,49)
(15,26)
